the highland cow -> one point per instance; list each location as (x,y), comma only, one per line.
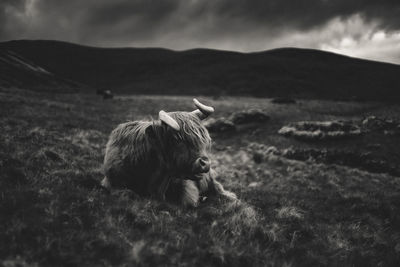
(166,158)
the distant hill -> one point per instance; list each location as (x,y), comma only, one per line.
(17,71)
(291,72)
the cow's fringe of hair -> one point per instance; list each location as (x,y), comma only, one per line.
(192,131)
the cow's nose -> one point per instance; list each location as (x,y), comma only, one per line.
(202,165)
(203,162)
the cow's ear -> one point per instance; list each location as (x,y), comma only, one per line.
(156,131)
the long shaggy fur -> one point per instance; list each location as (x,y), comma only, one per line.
(146,156)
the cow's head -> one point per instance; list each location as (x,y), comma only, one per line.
(184,141)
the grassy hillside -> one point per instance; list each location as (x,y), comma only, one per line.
(15,70)
(291,213)
(288,71)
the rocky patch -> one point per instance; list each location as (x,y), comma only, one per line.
(320,130)
(220,125)
(383,125)
(230,124)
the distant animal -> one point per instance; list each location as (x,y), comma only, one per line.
(107,94)
(167,158)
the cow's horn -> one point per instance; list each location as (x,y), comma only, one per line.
(203,111)
(167,119)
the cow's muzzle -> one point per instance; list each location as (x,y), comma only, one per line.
(201,165)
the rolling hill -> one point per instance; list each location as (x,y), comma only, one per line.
(291,72)
(18,71)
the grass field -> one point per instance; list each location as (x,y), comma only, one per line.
(291,213)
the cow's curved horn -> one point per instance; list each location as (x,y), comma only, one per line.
(167,119)
(203,111)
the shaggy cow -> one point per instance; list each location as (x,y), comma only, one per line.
(164,157)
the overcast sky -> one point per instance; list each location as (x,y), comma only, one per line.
(361,28)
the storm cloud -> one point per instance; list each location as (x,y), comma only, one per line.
(362,28)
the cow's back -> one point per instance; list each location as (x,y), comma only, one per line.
(128,157)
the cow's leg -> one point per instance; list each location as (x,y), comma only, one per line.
(157,184)
(190,194)
(162,188)
(218,188)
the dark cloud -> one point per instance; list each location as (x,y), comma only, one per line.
(149,12)
(130,20)
(180,24)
